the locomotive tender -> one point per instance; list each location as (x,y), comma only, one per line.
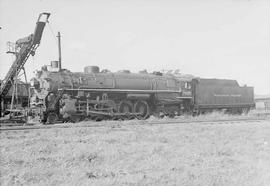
(221,94)
(72,96)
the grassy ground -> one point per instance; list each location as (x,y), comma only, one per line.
(121,154)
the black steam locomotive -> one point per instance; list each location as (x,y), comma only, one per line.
(73,96)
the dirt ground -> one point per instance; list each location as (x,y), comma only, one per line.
(207,153)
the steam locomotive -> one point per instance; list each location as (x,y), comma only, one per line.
(98,95)
(73,96)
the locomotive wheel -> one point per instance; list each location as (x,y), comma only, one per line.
(170,112)
(125,107)
(75,119)
(142,108)
(245,111)
(52,118)
(171,115)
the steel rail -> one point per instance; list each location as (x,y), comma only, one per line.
(128,122)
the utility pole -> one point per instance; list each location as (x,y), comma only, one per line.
(59,51)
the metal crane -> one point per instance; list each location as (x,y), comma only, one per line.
(23,49)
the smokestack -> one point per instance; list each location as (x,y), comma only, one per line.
(59,51)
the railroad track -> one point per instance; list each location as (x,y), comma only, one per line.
(130,122)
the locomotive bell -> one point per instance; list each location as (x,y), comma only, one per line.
(91,69)
(124,71)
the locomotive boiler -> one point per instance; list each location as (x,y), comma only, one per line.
(98,95)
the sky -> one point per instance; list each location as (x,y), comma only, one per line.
(226,39)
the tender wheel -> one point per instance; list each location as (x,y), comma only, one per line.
(171,115)
(142,108)
(75,118)
(245,111)
(52,118)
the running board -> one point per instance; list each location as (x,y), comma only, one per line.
(112,114)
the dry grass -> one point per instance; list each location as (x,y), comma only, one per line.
(217,116)
(126,154)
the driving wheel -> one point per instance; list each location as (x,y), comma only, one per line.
(52,118)
(126,107)
(142,108)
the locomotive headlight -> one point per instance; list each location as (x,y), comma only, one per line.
(35,83)
(31,82)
